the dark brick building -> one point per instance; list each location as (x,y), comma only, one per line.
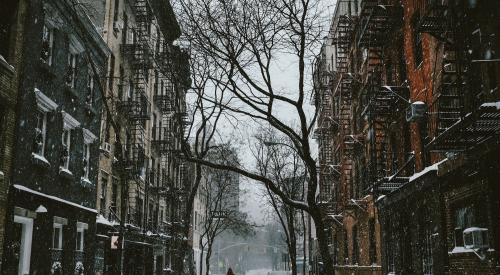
(409,136)
(51,214)
(11,34)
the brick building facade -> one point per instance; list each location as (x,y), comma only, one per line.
(51,204)
(410,113)
(11,35)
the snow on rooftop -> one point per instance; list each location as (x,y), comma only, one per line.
(426,170)
(26,189)
(102,220)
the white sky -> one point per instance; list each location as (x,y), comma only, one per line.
(285,78)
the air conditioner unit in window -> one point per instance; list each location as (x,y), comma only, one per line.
(476,238)
(416,111)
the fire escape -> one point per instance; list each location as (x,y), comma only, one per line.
(324,133)
(134,104)
(380,96)
(465,112)
(342,97)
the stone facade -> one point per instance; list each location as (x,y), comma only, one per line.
(142,186)
(51,203)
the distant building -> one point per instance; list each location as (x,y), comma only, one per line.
(51,208)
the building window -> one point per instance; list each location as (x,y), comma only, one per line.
(47,44)
(427,259)
(90,88)
(111,72)
(57,236)
(373,242)
(69,123)
(71,73)
(66,142)
(44,105)
(79,239)
(114,195)
(80,235)
(104,191)
(464,218)
(41,132)
(417,41)
(86,160)
(355,245)
(116,10)
(88,139)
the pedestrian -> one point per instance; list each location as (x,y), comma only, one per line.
(230,272)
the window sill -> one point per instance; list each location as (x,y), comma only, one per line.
(40,161)
(86,182)
(65,173)
(6,66)
(463,250)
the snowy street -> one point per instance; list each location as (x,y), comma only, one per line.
(258,272)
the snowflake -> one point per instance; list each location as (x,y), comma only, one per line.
(79,269)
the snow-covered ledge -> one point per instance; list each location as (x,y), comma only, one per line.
(69,121)
(4,64)
(66,173)
(88,136)
(44,102)
(40,160)
(85,181)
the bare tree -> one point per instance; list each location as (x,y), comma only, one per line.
(247,39)
(199,134)
(219,191)
(279,161)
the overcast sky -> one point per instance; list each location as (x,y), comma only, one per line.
(285,79)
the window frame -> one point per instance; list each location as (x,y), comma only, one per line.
(72,63)
(80,240)
(43,130)
(59,226)
(48,37)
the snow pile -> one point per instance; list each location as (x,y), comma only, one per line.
(426,170)
(102,220)
(28,190)
(492,104)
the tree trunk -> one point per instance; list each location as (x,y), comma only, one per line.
(304,243)
(207,259)
(292,249)
(201,255)
(184,247)
(322,239)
